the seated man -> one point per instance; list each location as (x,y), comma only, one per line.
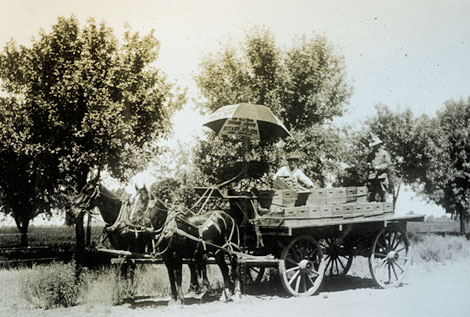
(290,176)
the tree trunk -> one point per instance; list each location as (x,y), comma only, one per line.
(463,219)
(22,224)
(79,239)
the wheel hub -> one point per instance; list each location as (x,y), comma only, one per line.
(305,265)
(392,255)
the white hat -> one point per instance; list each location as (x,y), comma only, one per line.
(375,141)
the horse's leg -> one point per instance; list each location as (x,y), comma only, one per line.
(205,279)
(236,277)
(220,259)
(179,278)
(131,275)
(169,263)
(201,270)
(194,286)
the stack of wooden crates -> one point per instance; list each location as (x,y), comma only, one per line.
(325,204)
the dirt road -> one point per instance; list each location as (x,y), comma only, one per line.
(436,291)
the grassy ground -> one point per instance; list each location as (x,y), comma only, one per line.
(105,287)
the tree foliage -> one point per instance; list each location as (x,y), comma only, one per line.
(447,181)
(305,86)
(75,100)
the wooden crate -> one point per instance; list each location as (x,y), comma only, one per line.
(351,194)
(337,210)
(361,197)
(325,211)
(303,212)
(388,207)
(348,209)
(315,212)
(284,198)
(358,209)
(378,207)
(290,212)
(336,196)
(367,209)
(317,197)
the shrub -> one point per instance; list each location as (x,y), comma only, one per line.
(52,285)
(434,248)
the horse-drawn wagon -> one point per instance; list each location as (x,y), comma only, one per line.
(310,234)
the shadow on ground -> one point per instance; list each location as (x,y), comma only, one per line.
(153,302)
(266,288)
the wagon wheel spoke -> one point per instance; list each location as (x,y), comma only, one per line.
(297,283)
(402,249)
(292,269)
(296,274)
(296,254)
(399,241)
(392,243)
(394,272)
(381,263)
(403,270)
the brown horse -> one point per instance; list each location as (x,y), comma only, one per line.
(214,233)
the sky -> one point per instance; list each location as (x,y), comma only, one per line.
(402,53)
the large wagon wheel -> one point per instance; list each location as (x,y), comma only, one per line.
(390,259)
(302,266)
(338,262)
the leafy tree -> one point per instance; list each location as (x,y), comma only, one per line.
(305,86)
(76,100)
(447,180)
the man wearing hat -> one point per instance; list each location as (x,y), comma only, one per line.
(378,164)
(291,176)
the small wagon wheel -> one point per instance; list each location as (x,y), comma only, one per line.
(337,261)
(302,266)
(390,257)
(254,275)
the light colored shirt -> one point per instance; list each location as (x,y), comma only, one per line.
(379,164)
(296,175)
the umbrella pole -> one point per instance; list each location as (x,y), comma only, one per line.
(244,152)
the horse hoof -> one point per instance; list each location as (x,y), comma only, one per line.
(226,296)
(175,303)
(237,296)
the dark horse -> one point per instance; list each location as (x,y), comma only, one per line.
(119,216)
(214,233)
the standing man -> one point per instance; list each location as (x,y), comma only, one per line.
(378,164)
(291,175)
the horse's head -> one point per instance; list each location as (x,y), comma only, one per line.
(147,208)
(140,204)
(86,197)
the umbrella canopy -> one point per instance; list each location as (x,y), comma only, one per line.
(247,120)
